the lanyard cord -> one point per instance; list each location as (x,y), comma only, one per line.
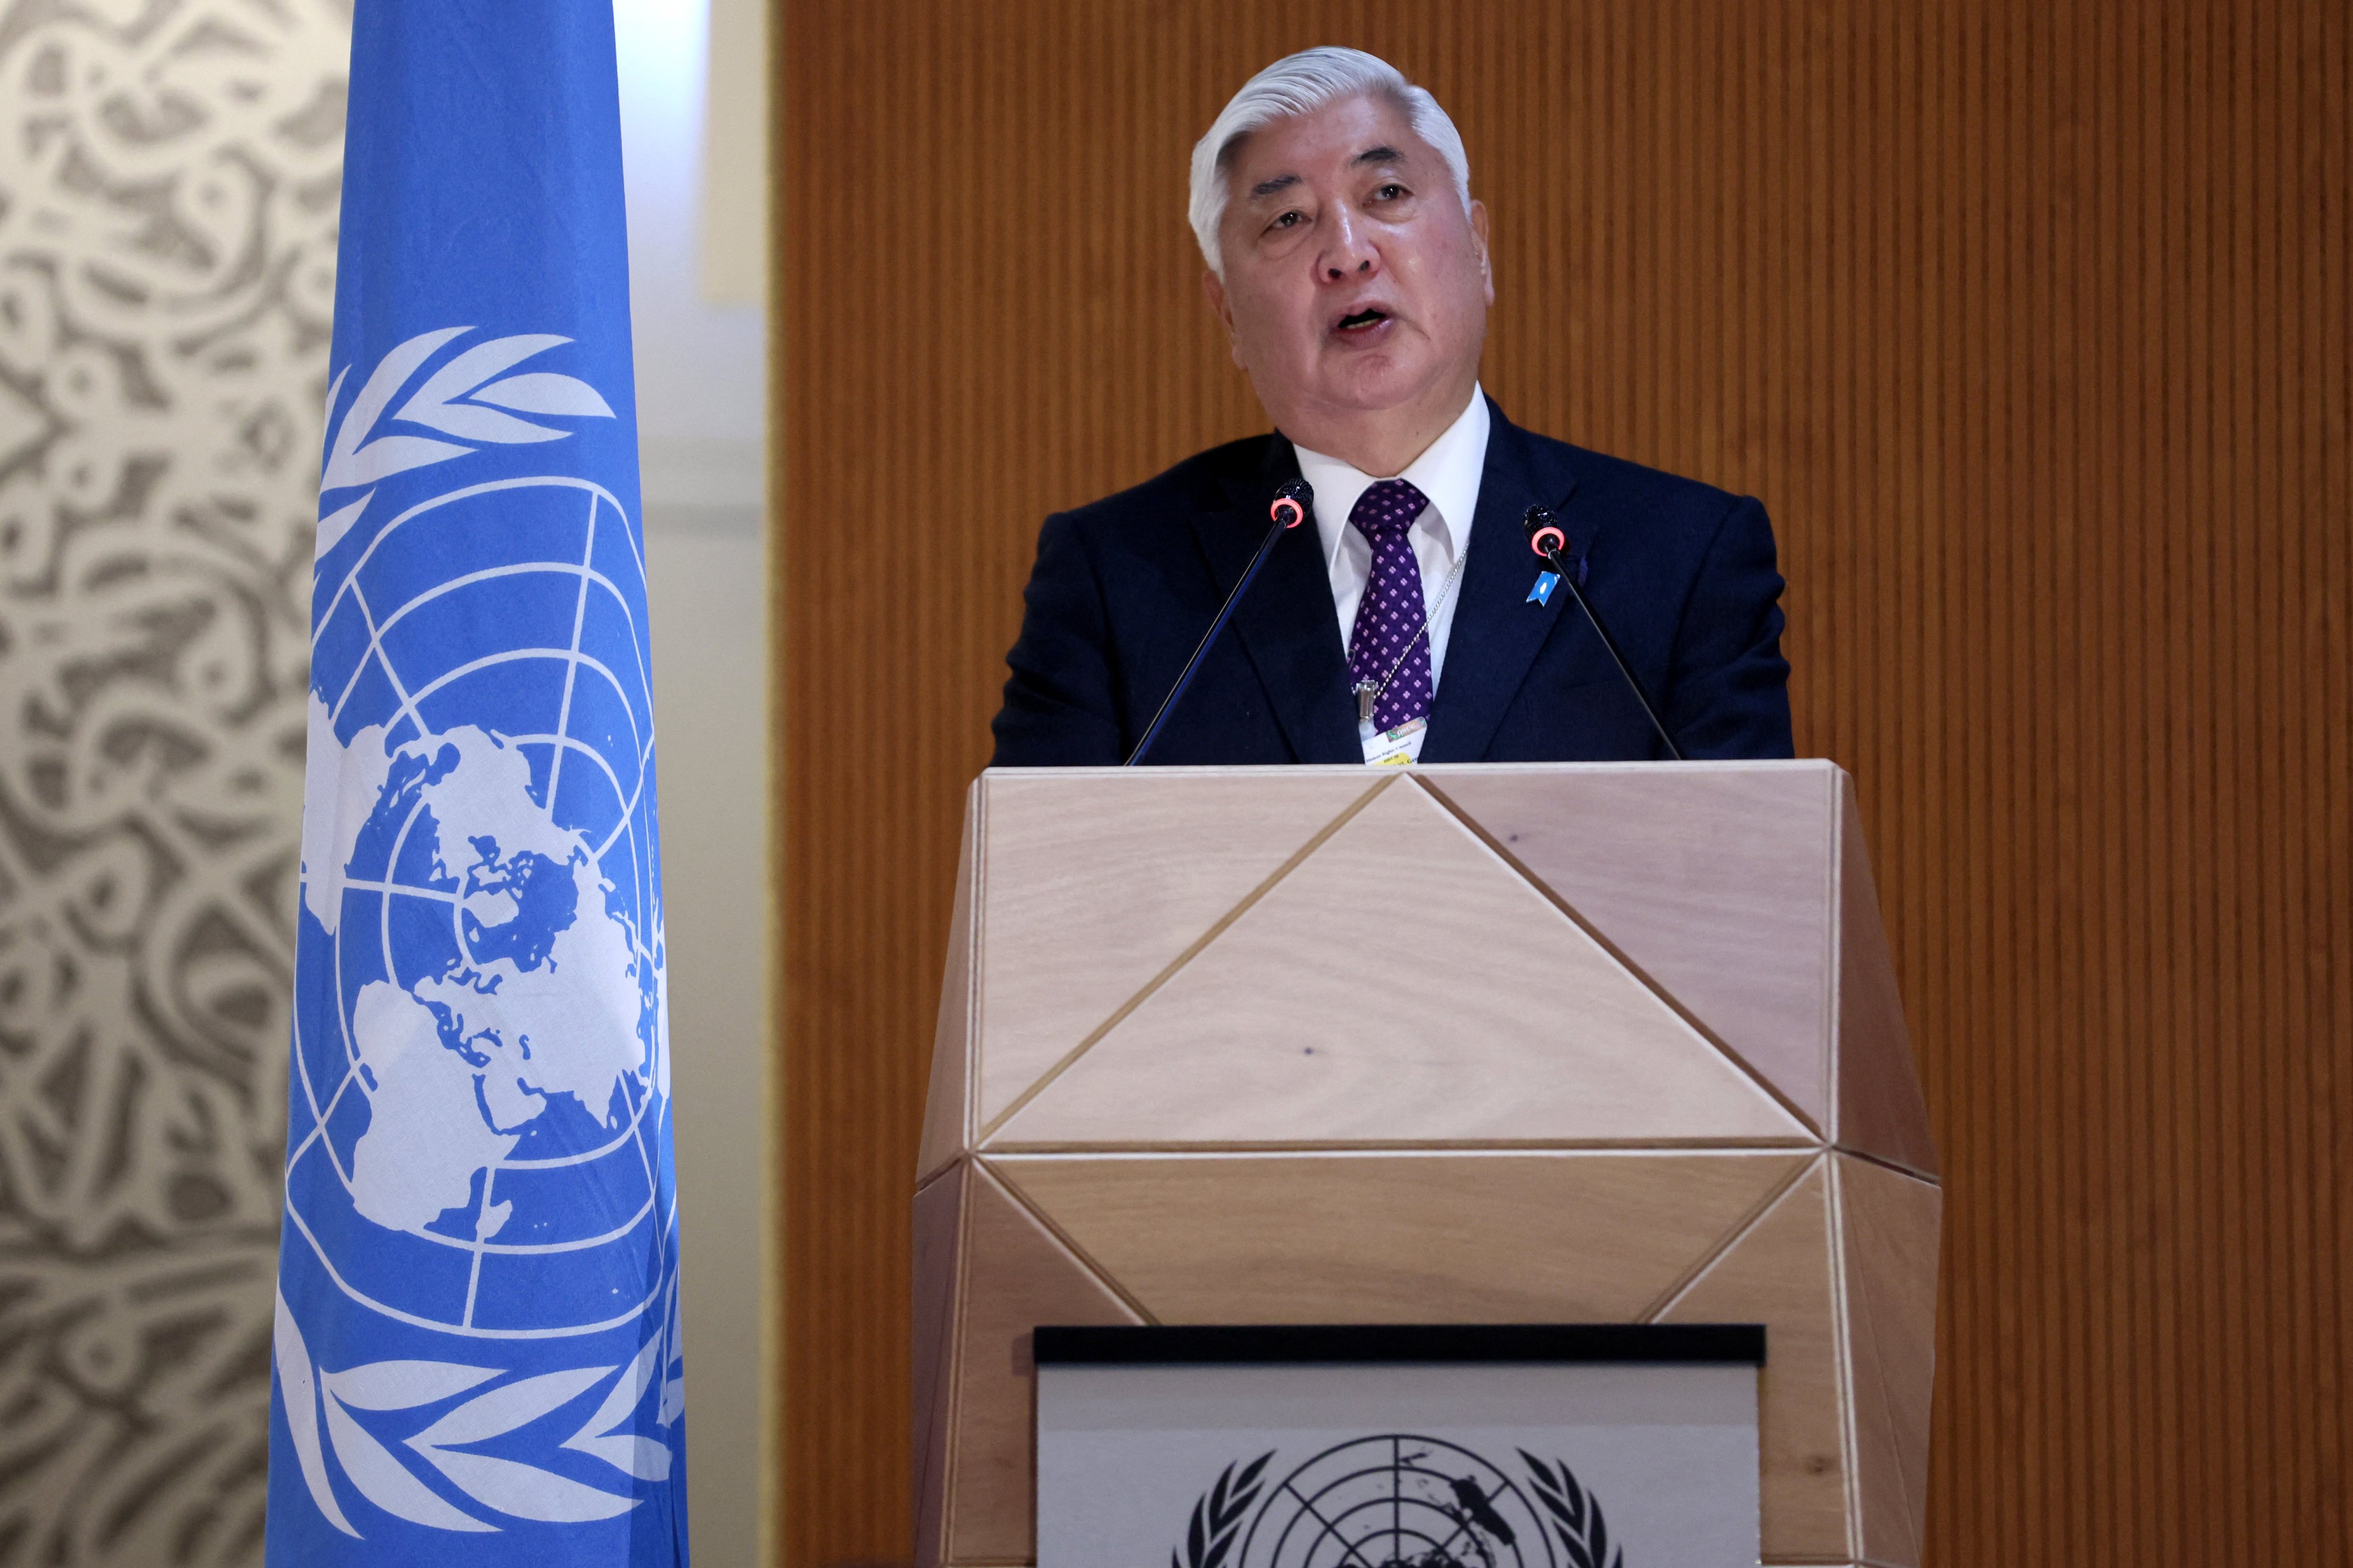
(1444,589)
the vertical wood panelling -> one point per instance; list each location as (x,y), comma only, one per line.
(2027,318)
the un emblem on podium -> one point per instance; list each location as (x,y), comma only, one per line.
(1397,1500)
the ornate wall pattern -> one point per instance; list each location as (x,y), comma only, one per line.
(169,181)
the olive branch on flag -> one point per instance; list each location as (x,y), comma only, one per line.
(503,1485)
(470,398)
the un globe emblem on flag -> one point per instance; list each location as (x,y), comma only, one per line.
(478,1159)
(482,1161)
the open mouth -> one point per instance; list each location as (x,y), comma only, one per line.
(1362,319)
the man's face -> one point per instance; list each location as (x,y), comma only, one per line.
(1354,280)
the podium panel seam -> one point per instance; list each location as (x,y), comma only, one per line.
(1112,1148)
(1618,956)
(1675,1293)
(1021,1200)
(1192,951)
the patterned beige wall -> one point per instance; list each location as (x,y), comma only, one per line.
(169,174)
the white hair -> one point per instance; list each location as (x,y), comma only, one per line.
(1301,84)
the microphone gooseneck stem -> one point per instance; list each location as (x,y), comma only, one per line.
(1561,569)
(1225,613)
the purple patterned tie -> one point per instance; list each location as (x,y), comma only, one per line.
(1391,612)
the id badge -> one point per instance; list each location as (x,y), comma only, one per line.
(1396,748)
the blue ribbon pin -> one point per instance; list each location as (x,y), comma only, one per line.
(1541,593)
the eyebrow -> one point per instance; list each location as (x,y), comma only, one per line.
(1370,155)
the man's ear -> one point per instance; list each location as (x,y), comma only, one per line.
(1223,308)
(1486,256)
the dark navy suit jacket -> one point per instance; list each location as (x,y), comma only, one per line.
(1683,575)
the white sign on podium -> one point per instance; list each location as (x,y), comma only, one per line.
(1376,1447)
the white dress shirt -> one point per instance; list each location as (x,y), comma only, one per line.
(1447,473)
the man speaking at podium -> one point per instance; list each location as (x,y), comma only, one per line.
(1350,270)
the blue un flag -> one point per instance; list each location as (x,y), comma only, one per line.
(477,1349)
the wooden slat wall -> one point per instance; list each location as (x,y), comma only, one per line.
(2029,320)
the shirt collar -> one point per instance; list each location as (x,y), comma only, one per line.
(1448,472)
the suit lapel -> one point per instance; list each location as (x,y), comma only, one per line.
(1497,631)
(1287,623)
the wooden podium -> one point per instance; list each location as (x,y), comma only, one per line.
(1456,1044)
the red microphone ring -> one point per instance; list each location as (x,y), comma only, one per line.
(1545,540)
(1289,513)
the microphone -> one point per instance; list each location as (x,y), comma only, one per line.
(1292,500)
(1549,540)
(1289,509)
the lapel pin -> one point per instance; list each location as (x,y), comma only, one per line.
(1541,593)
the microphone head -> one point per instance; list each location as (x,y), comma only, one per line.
(1545,537)
(1292,500)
